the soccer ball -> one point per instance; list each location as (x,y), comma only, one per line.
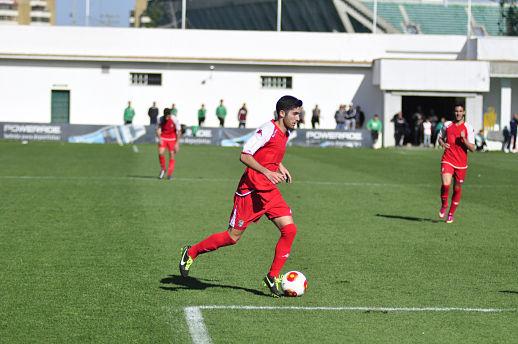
(294,283)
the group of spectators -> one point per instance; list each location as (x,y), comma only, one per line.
(348,117)
(422,131)
(221,114)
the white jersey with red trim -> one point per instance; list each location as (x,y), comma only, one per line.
(457,154)
(267,146)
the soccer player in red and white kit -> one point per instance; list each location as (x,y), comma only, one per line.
(258,195)
(456,138)
(168,132)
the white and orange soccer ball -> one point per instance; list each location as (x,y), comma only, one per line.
(294,283)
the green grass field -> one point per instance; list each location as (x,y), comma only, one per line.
(90,239)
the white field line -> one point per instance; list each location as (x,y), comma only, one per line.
(197,329)
(200,335)
(219,180)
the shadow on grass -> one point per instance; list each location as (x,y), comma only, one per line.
(143,177)
(181,283)
(508,292)
(409,218)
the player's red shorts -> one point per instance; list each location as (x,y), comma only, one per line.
(249,208)
(458,173)
(167,143)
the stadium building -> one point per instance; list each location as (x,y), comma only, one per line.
(87,75)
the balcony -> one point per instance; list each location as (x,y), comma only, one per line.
(8,13)
(40,14)
(42,3)
(7,2)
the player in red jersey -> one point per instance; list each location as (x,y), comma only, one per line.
(258,195)
(456,138)
(168,132)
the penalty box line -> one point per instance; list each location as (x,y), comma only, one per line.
(200,334)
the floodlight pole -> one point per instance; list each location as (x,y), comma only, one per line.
(375,17)
(279,14)
(184,11)
(87,13)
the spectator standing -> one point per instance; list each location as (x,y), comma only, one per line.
(241,116)
(427,132)
(360,117)
(152,112)
(507,140)
(174,110)
(221,113)
(302,117)
(315,118)
(480,141)
(514,126)
(400,127)
(201,115)
(129,113)
(417,119)
(374,125)
(350,117)
(340,117)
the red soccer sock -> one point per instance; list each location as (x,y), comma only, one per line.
(211,243)
(283,248)
(161,158)
(455,199)
(170,170)
(445,190)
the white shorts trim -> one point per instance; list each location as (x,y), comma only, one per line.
(452,165)
(242,195)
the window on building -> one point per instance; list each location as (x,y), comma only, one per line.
(146,79)
(38,8)
(276,81)
(40,20)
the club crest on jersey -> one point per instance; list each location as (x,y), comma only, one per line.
(260,132)
(240,223)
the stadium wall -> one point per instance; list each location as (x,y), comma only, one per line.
(94,65)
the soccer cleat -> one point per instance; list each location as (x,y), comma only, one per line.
(162,174)
(274,284)
(169,177)
(442,212)
(185,262)
(450,218)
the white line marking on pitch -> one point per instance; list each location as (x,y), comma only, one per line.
(196,325)
(311,182)
(200,335)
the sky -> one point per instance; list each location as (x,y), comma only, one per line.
(102,12)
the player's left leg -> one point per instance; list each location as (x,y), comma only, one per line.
(172,154)
(460,174)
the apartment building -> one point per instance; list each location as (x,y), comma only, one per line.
(28,12)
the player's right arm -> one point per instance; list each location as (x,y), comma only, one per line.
(442,136)
(249,161)
(262,135)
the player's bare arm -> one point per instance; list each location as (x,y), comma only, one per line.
(465,141)
(286,174)
(249,161)
(158,134)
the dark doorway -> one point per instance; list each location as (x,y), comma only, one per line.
(433,108)
(60,106)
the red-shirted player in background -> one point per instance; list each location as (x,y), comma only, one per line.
(168,132)
(257,193)
(456,138)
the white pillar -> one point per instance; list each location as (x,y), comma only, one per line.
(375,17)
(184,11)
(87,13)
(279,14)
(505,102)
(475,111)
(392,104)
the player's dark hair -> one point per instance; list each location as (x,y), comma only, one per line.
(167,111)
(461,105)
(286,103)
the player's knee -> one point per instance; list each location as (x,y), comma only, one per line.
(235,234)
(289,231)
